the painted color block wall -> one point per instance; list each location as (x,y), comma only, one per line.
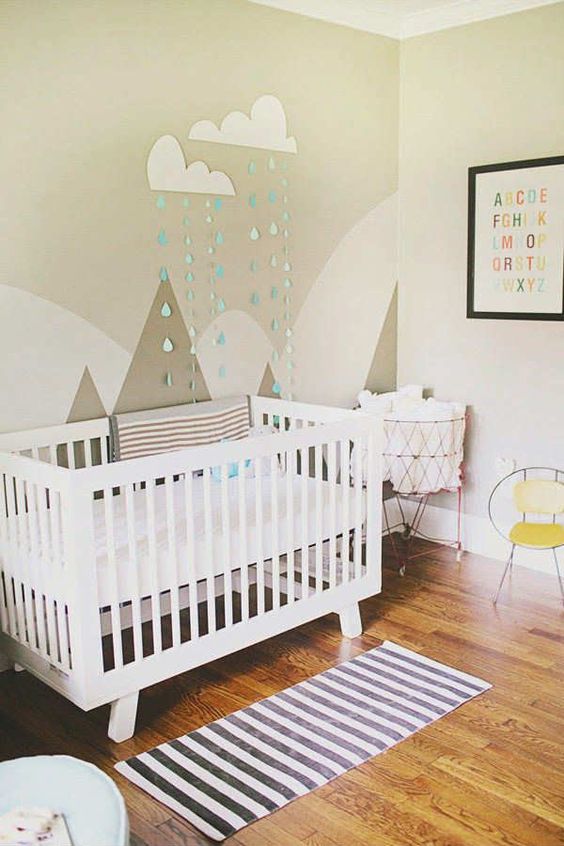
(477,94)
(88,88)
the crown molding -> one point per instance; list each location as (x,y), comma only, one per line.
(463,12)
(389,22)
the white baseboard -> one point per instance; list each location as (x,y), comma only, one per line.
(479,536)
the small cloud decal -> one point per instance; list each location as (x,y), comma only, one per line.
(167,171)
(265,128)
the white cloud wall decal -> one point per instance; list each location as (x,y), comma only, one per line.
(167,171)
(265,128)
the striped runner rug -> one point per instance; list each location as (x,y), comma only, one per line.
(242,767)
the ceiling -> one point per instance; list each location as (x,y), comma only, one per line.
(403,18)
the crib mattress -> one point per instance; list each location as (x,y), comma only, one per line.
(146,567)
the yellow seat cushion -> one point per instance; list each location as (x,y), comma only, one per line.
(540,535)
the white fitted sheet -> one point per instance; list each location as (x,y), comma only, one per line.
(141,572)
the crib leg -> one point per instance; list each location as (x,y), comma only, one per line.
(351,624)
(123,713)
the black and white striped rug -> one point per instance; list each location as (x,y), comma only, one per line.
(242,767)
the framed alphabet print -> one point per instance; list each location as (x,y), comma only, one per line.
(516,240)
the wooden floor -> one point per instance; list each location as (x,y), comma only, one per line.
(490,773)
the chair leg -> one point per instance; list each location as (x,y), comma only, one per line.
(559,575)
(508,565)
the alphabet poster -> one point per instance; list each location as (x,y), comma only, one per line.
(516,240)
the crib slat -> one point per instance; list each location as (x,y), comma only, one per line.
(243,546)
(70,455)
(259,529)
(274,467)
(304,487)
(345,493)
(208,528)
(153,565)
(23,587)
(87,452)
(226,549)
(113,587)
(53,454)
(35,565)
(191,560)
(9,623)
(332,482)
(318,519)
(133,572)
(57,568)
(15,526)
(45,567)
(358,453)
(172,560)
(291,474)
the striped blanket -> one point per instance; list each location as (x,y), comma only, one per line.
(157,430)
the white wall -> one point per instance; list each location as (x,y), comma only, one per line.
(477,94)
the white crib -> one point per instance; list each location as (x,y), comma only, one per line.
(114,576)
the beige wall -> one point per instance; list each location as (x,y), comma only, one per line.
(88,86)
(483,93)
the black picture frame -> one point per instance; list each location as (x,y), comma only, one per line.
(474,175)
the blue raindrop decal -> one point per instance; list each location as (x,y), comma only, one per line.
(271,164)
(221,339)
(287,282)
(274,293)
(192,332)
(253,201)
(168,380)
(162,239)
(217,203)
(186,203)
(287,266)
(166,310)
(163,274)
(187,240)
(219,271)
(273,260)
(255,299)
(272,196)
(254,234)
(219,238)
(221,305)
(222,372)
(189,258)
(254,266)
(189,276)
(161,202)
(190,295)
(211,251)
(168,346)
(209,218)
(286,215)
(252,168)
(275,325)
(273,228)
(276,388)
(186,221)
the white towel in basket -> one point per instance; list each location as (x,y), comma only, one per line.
(423,440)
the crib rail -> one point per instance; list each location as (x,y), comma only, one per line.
(73,445)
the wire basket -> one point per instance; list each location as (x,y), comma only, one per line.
(423,456)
